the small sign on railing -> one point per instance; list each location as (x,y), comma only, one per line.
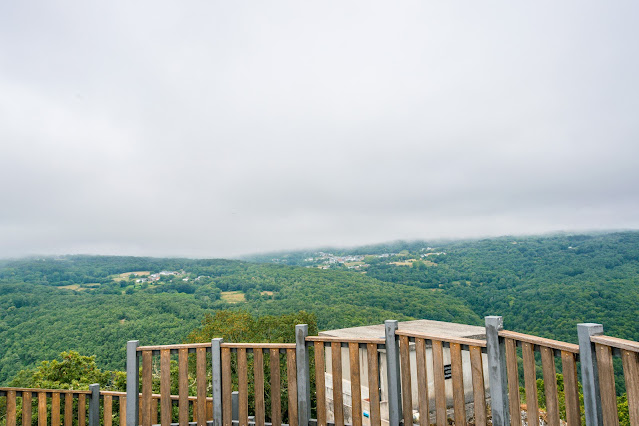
(448,372)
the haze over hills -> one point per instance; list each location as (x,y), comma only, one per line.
(542,285)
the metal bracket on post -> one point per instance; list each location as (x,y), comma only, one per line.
(497,377)
(392,369)
(216,380)
(235,406)
(589,373)
(303,376)
(94,405)
(132,382)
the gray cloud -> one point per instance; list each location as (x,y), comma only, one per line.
(222,128)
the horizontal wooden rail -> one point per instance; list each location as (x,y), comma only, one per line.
(174,347)
(345,339)
(615,342)
(258,345)
(449,339)
(47,391)
(540,341)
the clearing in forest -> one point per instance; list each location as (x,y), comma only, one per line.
(233,296)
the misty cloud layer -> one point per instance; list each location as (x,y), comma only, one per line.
(223,128)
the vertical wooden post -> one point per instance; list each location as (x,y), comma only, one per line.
(216,363)
(496,354)
(303,376)
(392,370)
(94,405)
(132,382)
(590,373)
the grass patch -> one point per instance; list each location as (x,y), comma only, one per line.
(266,293)
(233,296)
(125,275)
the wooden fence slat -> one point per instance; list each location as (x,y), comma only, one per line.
(571,394)
(147,390)
(356,385)
(258,378)
(11,408)
(422,381)
(630,362)
(27,406)
(291,375)
(373,384)
(320,383)
(55,409)
(439,383)
(242,381)
(200,373)
(194,410)
(404,362)
(607,385)
(530,382)
(512,373)
(338,400)
(458,384)
(276,396)
(209,410)
(183,386)
(225,358)
(122,401)
(479,391)
(42,409)
(82,410)
(550,385)
(108,410)
(68,409)
(166,407)
(140,410)
(155,405)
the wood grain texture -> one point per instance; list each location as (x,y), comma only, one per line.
(55,409)
(183,386)
(155,405)
(479,390)
(108,410)
(320,382)
(291,376)
(200,377)
(338,401)
(27,406)
(439,383)
(227,413)
(11,408)
(165,387)
(615,342)
(68,409)
(540,341)
(122,401)
(550,385)
(530,382)
(242,384)
(82,410)
(449,339)
(458,384)
(42,409)
(356,385)
(512,372)
(571,394)
(404,362)
(276,396)
(258,379)
(147,383)
(422,381)
(630,362)
(373,384)
(607,384)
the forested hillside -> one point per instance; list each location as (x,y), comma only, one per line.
(94,304)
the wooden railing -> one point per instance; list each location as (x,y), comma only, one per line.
(455,346)
(606,348)
(75,406)
(549,350)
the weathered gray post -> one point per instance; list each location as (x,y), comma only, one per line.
(497,378)
(392,368)
(94,405)
(235,406)
(216,380)
(132,382)
(589,373)
(303,377)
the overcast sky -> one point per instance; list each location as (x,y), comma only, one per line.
(220,128)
